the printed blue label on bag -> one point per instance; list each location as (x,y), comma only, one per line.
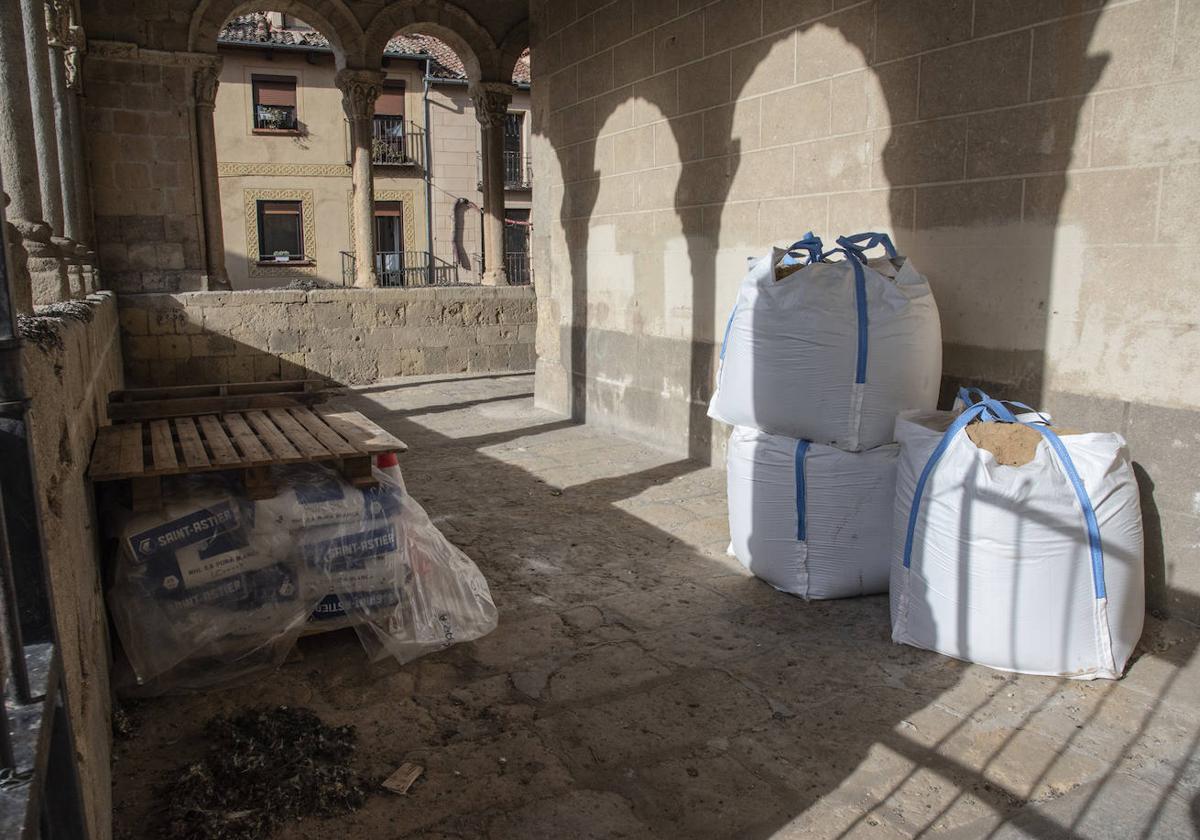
(332,606)
(316,491)
(380,501)
(199,525)
(350,551)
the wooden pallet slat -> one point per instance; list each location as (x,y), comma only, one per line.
(222,448)
(362,433)
(162,446)
(132,458)
(189,441)
(107,459)
(280,448)
(308,445)
(253,452)
(319,429)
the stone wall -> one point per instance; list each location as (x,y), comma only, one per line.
(353,336)
(1040,163)
(69,371)
(140,130)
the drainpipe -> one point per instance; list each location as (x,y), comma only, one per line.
(428,176)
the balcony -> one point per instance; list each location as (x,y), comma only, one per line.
(516,267)
(404,269)
(396,142)
(518,171)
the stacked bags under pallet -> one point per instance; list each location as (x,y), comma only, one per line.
(1028,560)
(213,585)
(819,357)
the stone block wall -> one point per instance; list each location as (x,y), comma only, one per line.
(69,371)
(352,336)
(1038,161)
(140,132)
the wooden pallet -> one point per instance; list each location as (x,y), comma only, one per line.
(191,400)
(249,442)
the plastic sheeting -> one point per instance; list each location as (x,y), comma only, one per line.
(1034,568)
(832,352)
(214,586)
(811,520)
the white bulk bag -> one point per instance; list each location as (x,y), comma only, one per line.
(1034,568)
(811,520)
(832,352)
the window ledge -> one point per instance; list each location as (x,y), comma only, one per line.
(287,264)
(293,132)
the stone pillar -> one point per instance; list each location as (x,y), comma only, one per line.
(491,106)
(19,162)
(58,16)
(85,224)
(360,89)
(205,89)
(37,51)
(18,269)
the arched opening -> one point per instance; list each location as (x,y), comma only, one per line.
(282,150)
(441,196)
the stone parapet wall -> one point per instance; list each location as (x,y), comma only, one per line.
(353,336)
(72,359)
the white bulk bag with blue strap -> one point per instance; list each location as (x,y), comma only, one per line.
(809,519)
(1034,568)
(832,352)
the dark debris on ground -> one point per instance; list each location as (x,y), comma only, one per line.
(261,768)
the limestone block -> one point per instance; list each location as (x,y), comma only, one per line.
(266,368)
(764,65)
(708,82)
(424,312)
(526,333)
(836,164)
(141,347)
(283,342)
(174,347)
(143,256)
(906,27)
(921,153)
(975,204)
(1156,126)
(1043,137)
(133,321)
(1061,48)
(1110,206)
(983,74)
(883,95)
(798,113)
(241,368)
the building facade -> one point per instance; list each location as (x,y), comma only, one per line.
(284,162)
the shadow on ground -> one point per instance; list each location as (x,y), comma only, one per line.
(641,686)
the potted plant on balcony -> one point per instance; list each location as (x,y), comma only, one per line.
(282,256)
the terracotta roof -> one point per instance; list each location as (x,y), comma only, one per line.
(256,28)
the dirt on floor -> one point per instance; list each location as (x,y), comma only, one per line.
(642,685)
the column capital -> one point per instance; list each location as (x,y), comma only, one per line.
(360,89)
(206,78)
(491,100)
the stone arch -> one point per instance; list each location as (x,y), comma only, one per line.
(515,42)
(332,18)
(474,46)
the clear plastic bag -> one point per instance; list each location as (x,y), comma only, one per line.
(214,586)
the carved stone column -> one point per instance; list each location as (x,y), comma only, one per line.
(58,24)
(205,90)
(83,199)
(37,51)
(360,89)
(19,162)
(491,107)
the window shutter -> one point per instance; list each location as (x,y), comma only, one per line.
(280,208)
(388,208)
(276,91)
(391,101)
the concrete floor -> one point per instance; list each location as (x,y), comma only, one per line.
(641,685)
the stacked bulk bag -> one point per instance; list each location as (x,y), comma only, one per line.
(833,352)
(818,357)
(1036,567)
(809,519)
